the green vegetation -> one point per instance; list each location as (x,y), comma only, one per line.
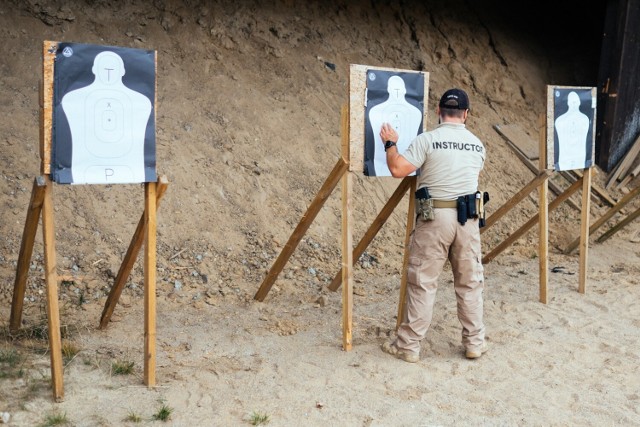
(69,351)
(81,298)
(11,363)
(55,420)
(163,414)
(258,419)
(122,367)
(133,417)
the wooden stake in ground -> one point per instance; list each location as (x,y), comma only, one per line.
(543,204)
(53,313)
(347,240)
(411,222)
(584,230)
(150,199)
(26,251)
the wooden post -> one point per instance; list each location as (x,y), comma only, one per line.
(48,233)
(584,230)
(543,269)
(375,227)
(53,313)
(347,264)
(26,251)
(543,203)
(129,259)
(150,199)
(46,104)
(312,211)
(347,240)
(411,221)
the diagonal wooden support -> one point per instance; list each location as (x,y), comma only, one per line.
(602,194)
(533,221)
(129,259)
(606,217)
(613,230)
(532,167)
(312,211)
(375,227)
(625,163)
(533,184)
(26,251)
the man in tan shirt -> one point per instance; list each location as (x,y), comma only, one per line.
(449,159)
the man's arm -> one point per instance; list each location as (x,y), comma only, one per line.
(398,165)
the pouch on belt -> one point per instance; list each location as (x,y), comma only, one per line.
(424,205)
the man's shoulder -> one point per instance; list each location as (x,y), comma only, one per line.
(424,137)
(472,135)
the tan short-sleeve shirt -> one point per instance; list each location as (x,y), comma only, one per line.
(450,159)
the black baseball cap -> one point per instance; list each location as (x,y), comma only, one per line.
(456,99)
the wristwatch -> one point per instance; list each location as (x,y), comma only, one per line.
(389,144)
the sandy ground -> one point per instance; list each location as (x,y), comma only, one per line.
(248,129)
(572,361)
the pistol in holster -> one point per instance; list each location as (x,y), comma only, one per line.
(424,205)
(484,199)
(472,206)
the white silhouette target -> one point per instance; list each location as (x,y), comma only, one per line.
(396,98)
(404,117)
(571,113)
(572,128)
(107,122)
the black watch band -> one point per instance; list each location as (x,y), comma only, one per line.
(389,144)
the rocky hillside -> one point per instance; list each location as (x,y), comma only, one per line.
(248,124)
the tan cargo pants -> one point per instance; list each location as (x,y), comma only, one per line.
(432,243)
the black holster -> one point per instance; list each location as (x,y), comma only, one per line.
(472,206)
(461,206)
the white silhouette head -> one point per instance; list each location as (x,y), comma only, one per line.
(108,68)
(573,101)
(396,88)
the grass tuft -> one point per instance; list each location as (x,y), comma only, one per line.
(122,367)
(133,417)
(163,414)
(55,420)
(258,419)
(10,357)
(69,351)
(11,363)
